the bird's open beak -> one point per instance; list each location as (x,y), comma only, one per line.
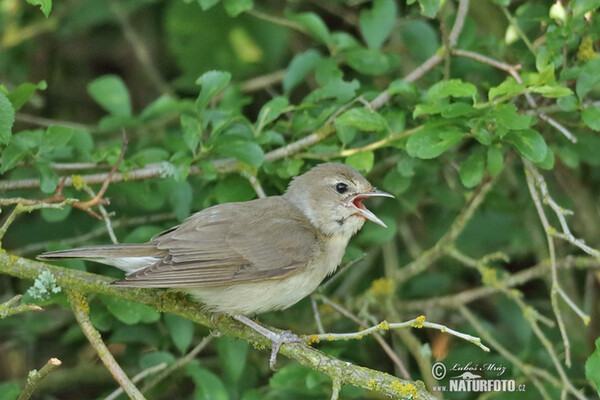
(356,203)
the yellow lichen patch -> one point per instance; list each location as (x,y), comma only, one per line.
(384,325)
(405,390)
(419,321)
(372,384)
(586,51)
(330,338)
(382,287)
(78,182)
(489,277)
(312,339)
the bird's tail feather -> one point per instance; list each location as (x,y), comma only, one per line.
(125,250)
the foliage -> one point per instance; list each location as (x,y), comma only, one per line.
(484,126)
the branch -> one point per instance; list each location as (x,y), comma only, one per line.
(418,322)
(175,303)
(35,378)
(81,310)
(12,307)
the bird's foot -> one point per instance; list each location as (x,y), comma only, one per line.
(277,339)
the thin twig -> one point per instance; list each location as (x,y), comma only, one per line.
(384,345)
(418,322)
(12,307)
(35,377)
(80,308)
(19,209)
(315,307)
(177,364)
(149,371)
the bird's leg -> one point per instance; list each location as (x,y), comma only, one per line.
(277,339)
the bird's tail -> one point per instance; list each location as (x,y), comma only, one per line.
(128,256)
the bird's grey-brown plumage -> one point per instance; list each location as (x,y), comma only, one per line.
(255,256)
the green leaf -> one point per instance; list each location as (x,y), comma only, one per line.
(548,162)
(429,8)
(506,115)
(495,160)
(339,89)
(212,82)
(551,91)
(395,183)
(372,233)
(529,143)
(9,390)
(588,78)
(45,6)
(430,143)
(400,86)
(300,65)
(362,119)
(271,111)
(313,24)
(458,109)
(208,385)
(509,87)
(367,61)
(181,331)
(233,188)
(192,131)
(11,155)
(206,4)
(7,118)
(568,103)
(420,38)
(472,169)
(591,117)
(233,8)
(129,312)
(232,354)
(580,7)
(22,93)
(592,367)
(362,161)
(56,136)
(377,23)
(452,88)
(181,200)
(110,93)
(48,178)
(243,150)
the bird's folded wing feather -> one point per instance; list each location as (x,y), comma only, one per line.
(232,243)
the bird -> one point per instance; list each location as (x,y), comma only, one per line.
(247,258)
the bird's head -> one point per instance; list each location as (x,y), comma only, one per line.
(331,196)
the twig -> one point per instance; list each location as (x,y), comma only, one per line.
(418,322)
(12,307)
(149,371)
(104,215)
(80,308)
(459,22)
(513,22)
(335,388)
(384,345)
(35,378)
(315,308)
(177,364)
(255,184)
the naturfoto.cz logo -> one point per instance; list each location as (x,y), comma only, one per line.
(469,378)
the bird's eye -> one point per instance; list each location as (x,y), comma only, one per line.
(341,187)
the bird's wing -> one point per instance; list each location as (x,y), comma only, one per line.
(231,243)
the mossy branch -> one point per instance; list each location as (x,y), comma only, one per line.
(177,304)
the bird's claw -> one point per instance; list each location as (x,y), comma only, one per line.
(277,339)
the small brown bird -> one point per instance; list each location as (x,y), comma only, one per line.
(251,257)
